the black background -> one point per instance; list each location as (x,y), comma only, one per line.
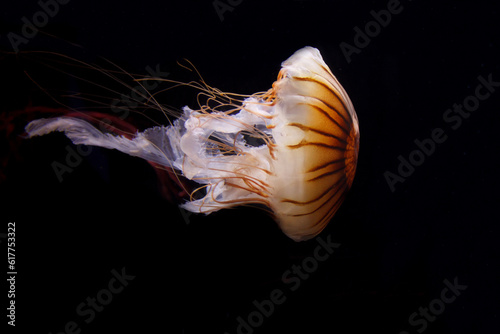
(397,247)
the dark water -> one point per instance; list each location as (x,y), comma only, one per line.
(424,249)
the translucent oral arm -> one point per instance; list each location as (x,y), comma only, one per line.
(151,145)
(231,178)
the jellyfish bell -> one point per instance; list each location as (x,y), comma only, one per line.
(292,149)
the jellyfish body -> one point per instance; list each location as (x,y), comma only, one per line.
(292,149)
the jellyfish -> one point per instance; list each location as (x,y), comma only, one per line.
(291,150)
